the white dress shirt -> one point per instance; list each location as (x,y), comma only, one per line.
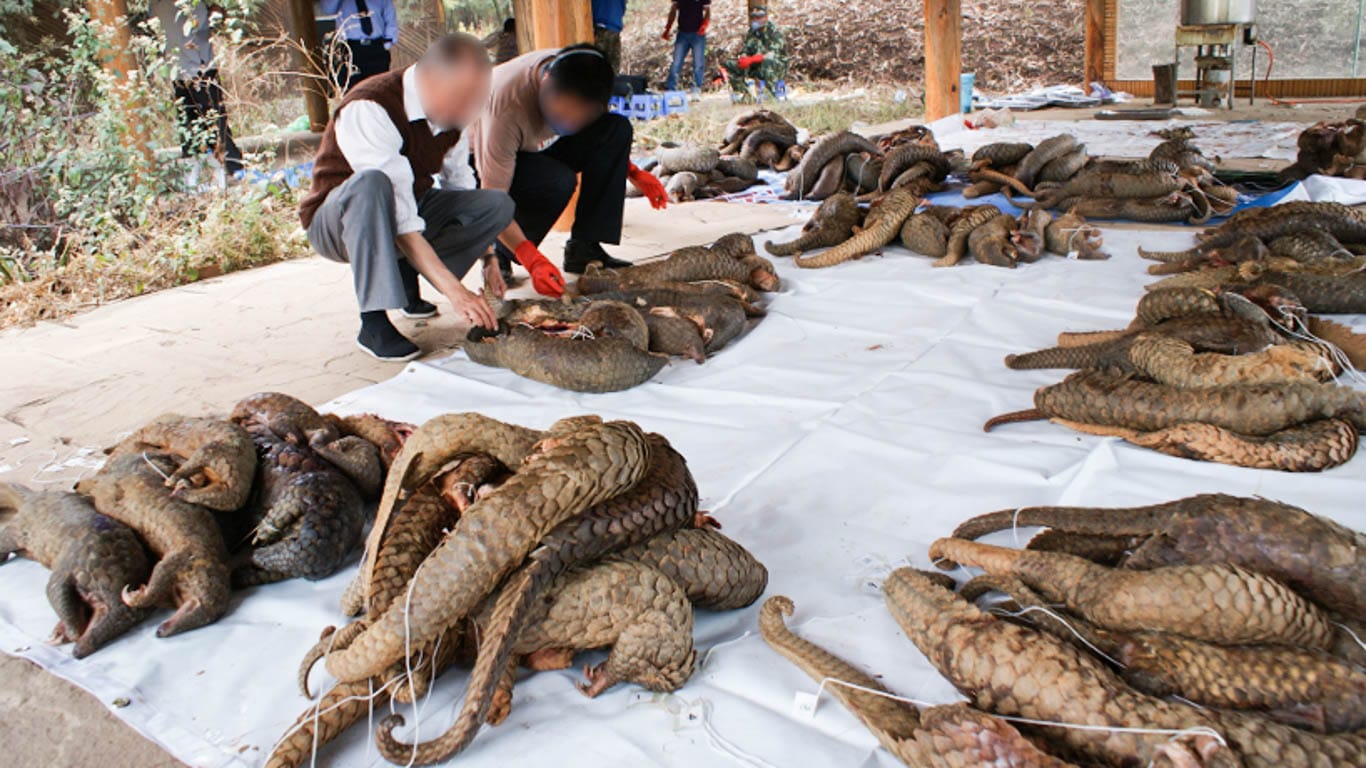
(368,139)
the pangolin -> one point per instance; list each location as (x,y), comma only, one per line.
(831,224)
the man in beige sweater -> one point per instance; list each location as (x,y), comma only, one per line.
(547,130)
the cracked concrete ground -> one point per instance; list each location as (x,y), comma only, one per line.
(72,387)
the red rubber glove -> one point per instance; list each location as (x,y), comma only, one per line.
(667,32)
(702,28)
(649,185)
(545,278)
(748,61)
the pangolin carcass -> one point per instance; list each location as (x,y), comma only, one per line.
(294,421)
(579,463)
(216,459)
(726,259)
(1107,399)
(948,735)
(1305,687)
(1218,603)
(831,224)
(665,498)
(609,358)
(93,558)
(1015,671)
(191,571)
(1319,558)
(306,516)
(803,178)
(882,226)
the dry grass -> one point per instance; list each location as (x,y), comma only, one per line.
(1010,45)
(187,239)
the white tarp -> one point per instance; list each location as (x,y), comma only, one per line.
(1132,138)
(836,440)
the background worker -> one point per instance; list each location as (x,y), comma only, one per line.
(609,18)
(547,130)
(763,56)
(372,203)
(370,29)
(198,91)
(693,17)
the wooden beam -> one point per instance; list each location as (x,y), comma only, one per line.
(118,61)
(943,57)
(308,61)
(543,24)
(1094,68)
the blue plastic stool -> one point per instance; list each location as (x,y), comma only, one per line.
(618,105)
(674,102)
(646,106)
(761,91)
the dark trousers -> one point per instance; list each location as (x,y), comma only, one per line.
(204,120)
(544,181)
(367,60)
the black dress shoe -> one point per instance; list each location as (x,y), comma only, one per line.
(579,254)
(418,309)
(379,339)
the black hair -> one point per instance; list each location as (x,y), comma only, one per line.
(510,25)
(582,70)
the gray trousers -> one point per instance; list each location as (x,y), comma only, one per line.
(355,224)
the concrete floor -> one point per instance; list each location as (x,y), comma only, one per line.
(71,388)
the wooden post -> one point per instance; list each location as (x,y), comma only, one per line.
(943,57)
(308,60)
(543,24)
(1094,69)
(119,63)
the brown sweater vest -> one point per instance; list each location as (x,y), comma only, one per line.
(424,151)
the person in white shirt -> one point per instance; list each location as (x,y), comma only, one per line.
(374,204)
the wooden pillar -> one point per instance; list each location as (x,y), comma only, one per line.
(117,60)
(943,57)
(542,24)
(1094,70)
(308,61)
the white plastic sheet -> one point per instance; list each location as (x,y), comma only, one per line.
(836,441)
(1132,138)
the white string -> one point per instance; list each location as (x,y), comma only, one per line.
(1199,730)
(1015,525)
(1298,329)
(155,468)
(408,668)
(1058,618)
(720,743)
(1354,635)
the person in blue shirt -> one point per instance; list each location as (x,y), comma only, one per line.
(608,20)
(369,29)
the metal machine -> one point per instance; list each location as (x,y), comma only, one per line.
(1217,29)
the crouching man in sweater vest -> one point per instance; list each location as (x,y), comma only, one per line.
(373,204)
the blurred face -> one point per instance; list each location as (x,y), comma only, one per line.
(453,95)
(758,21)
(566,113)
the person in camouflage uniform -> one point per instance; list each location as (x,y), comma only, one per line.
(762,57)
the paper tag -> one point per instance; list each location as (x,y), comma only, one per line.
(641,697)
(1073,255)
(804,704)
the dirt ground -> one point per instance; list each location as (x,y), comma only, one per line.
(73,387)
